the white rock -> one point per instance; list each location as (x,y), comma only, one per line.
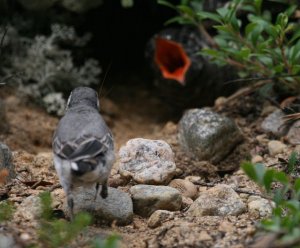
(260,207)
(147,161)
(275,147)
(220,200)
(257,159)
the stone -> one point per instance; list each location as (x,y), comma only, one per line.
(185,187)
(149,198)
(82,5)
(293,135)
(220,200)
(275,147)
(274,124)
(7,240)
(208,135)
(259,207)
(204,236)
(147,161)
(158,217)
(116,207)
(7,168)
(257,159)
(29,210)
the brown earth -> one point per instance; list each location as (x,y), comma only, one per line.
(134,112)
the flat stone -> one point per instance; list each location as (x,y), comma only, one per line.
(220,200)
(7,167)
(158,217)
(208,135)
(116,207)
(149,198)
(29,210)
(293,135)
(275,147)
(147,161)
(274,124)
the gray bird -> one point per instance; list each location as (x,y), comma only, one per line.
(83,145)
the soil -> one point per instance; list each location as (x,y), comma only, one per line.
(135,112)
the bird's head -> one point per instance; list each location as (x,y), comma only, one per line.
(83,95)
(171,59)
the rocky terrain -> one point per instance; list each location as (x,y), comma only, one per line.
(174,184)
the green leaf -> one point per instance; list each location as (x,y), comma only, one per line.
(290,10)
(185,9)
(292,161)
(281,177)
(166,3)
(223,12)
(297,185)
(268,179)
(255,172)
(207,15)
(282,20)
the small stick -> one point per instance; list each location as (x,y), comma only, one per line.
(37,183)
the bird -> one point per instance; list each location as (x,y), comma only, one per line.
(83,146)
(182,77)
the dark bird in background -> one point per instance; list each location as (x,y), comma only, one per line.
(83,145)
(182,76)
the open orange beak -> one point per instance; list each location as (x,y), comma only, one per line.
(171,59)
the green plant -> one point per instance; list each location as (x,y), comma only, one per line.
(6,211)
(111,242)
(58,233)
(285,219)
(249,38)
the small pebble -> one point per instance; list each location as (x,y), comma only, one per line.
(257,159)
(158,217)
(275,147)
(185,187)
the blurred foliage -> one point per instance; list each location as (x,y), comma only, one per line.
(258,43)
(6,211)
(284,191)
(43,66)
(55,233)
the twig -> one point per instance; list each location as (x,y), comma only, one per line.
(56,186)
(37,183)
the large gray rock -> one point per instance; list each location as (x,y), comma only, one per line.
(147,161)
(259,207)
(274,124)
(220,200)
(6,162)
(116,207)
(7,240)
(149,198)
(82,5)
(208,135)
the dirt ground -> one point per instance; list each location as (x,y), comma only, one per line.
(133,112)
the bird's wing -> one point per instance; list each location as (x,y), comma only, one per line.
(84,147)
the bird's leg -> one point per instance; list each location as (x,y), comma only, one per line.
(97,191)
(70,202)
(104,190)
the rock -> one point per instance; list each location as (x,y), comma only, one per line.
(29,210)
(7,240)
(116,207)
(268,109)
(43,160)
(220,200)
(203,236)
(149,198)
(293,135)
(7,168)
(82,5)
(186,203)
(259,207)
(147,161)
(208,135)
(275,147)
(257,159)
(185,187)
(274,124)
(158,217)
(37,4)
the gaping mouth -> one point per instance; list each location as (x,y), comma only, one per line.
(171,59)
